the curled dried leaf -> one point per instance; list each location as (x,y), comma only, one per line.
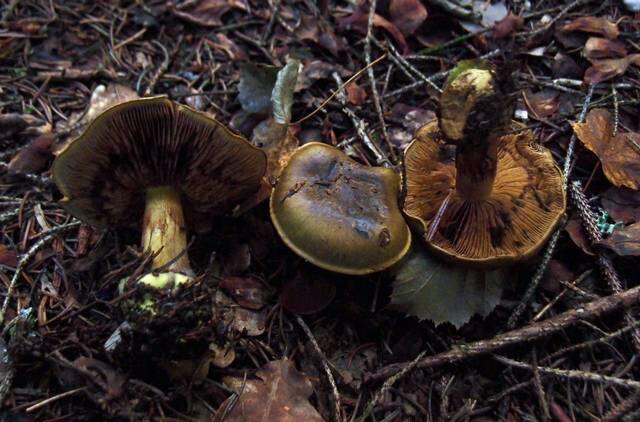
(278,393)
(205,12)
(507,25)
(619,155)
(359,19)
(602,48)
(602,70)
(594,25)
(407,15)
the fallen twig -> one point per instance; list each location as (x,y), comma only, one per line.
(572,374)
(528,333)
(372,78)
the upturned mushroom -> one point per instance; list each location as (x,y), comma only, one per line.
(338,214)
(160,165)
(479,194)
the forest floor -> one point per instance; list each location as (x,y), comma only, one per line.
(291,340)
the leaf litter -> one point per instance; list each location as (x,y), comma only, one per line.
(62,60)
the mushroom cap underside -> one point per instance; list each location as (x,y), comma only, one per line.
(525,205)
(338,214)
(104,173)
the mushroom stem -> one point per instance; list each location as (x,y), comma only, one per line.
(163,230)
(476,163)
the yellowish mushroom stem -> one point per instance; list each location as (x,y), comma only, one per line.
(470,94)
(164,234)
(476,165)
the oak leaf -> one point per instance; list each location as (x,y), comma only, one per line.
(279,393)
(619,154)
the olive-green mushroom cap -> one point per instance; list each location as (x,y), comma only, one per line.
(149,142)
(338,214)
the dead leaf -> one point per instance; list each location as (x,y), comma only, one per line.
(564,66)
(622,204)
(359,19)
(578,235)
(619,155)
(602,48)
(316,70)
(507,25)
(594,25)
(278,142)
(355,94)
(104,97)
(555,274)
(8,257)
(248,292)
(542,104)
(407,15)
(205,12)
(237,319)
(602,70)
(33,157)
(624,241)
(318,31)
(279,393)
(221,42)
(14,123)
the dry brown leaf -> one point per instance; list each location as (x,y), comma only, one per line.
(578,235)
(8,257)
(507,25)
(318,31)
(33,157)
(619,155)
(248,291)
(359,19)
(594,25)
(355,94)
(104,97)
(625,241)
(622,204)
(221,42)
(602,48)
(237,319)
(205,12)
(601,70)
(279,393)
(542,104)
(278,142)
(407,15)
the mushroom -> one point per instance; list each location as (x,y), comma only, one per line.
(164,165)
(338,214)
(494,198)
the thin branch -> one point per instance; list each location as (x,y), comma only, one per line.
(572,374)
(372,78)
(525,334)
